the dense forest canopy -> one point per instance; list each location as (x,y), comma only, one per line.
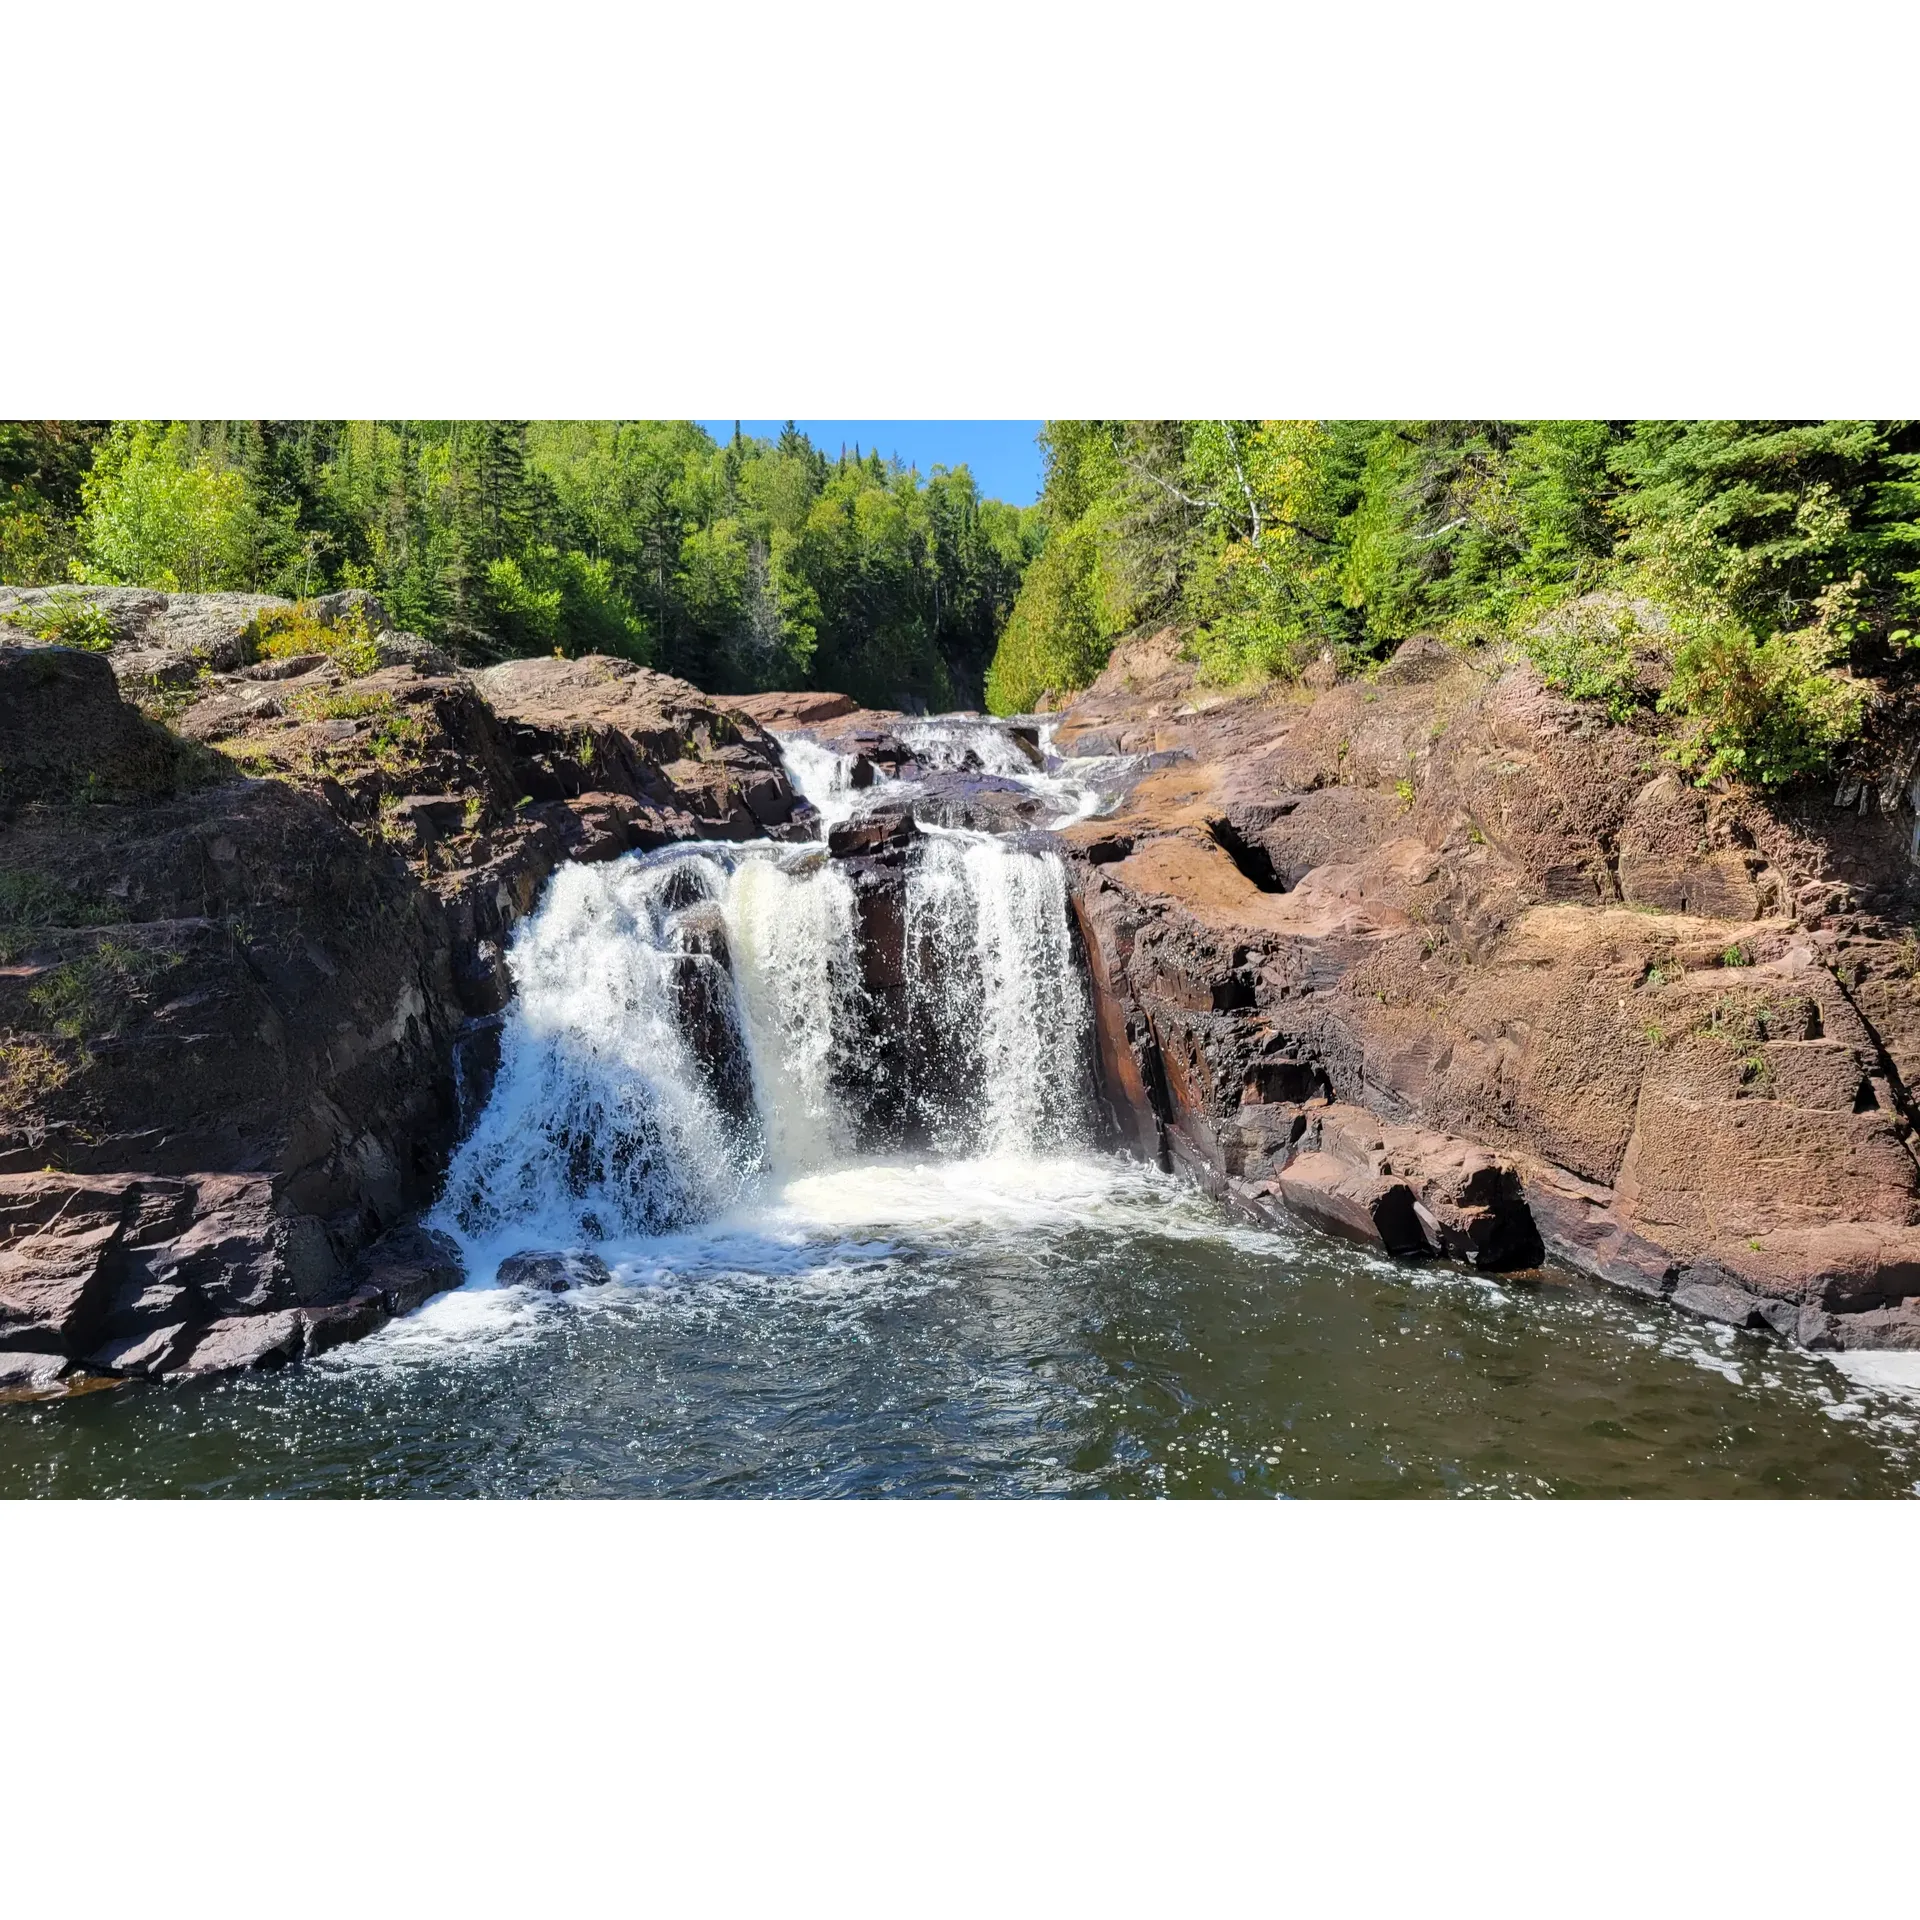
(1765,565)
(748,564)
(1741,587)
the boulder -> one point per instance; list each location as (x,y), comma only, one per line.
(31,1375)
(791,712)
(353,1319)
(407,1266)
(883,829)
(985,803)
(141,1353)
(245,1344)
(1325,1189)
(67,737)
(553,1272)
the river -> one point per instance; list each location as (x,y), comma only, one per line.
(799,1304)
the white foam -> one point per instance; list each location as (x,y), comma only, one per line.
(690,1037)
(1893,1373)
(821,776)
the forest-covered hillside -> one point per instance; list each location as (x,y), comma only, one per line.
(1732,580)
(1741,587)
(744,565)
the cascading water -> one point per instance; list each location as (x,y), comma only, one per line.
(692,1028)
(797,982)
(605,1118)
(835,1107)
(953,744)
(996,995)
(822,777)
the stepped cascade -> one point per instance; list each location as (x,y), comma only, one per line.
(695,1025)
(830,1110)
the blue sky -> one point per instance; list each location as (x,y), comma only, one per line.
(1001,453)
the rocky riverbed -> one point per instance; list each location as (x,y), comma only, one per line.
(1437,961)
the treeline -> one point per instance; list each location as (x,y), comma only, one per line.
(1762,566)
(741,565)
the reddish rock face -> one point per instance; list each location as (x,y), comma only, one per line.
(238,955)
(1670,1032)
(791,710)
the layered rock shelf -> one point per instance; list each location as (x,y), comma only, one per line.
(1445,962)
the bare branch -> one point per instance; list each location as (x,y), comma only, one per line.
(1253,507)
(1167,486)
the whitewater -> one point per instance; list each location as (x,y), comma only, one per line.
(691,1039)
(818,1142)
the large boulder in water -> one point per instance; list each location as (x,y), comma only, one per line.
(983,802)
(887,829)
(554,1272)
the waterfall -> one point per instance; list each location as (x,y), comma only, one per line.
(797,981)
(949,744)
(690,1024)
(997,997)
(820,776)
(606,1117)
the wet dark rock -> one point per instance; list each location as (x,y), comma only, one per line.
(554,1272)
(364,1312)
(884,829)
(407,1266)
(982,802)
(686,883)
(704,995)
(244,1344)
(880,928)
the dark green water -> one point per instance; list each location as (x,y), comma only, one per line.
(1052,1327)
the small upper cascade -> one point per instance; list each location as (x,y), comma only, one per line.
(822,777)
(950,745)
(955,770)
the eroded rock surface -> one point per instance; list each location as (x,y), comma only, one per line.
(1443,961)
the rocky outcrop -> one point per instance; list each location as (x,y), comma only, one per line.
(1444,961)
(250,963)
(792,710)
